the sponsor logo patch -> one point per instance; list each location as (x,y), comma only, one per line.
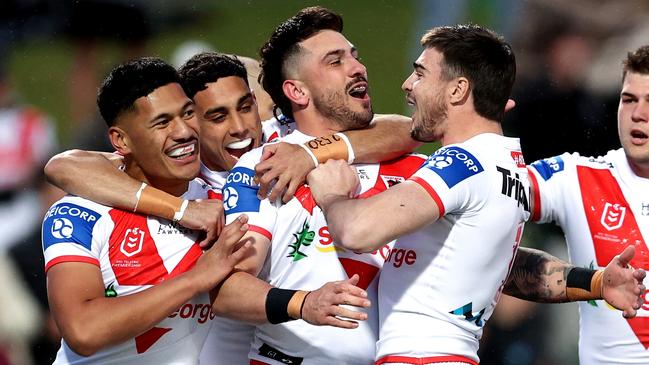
(453,165)
(67,222)
(549,166)
(240,192)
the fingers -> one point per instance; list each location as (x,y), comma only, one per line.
(340,323)
(233,232)
(639,274)
(290,191)
(278,188)
(269,151)
(625,257)
(265,182)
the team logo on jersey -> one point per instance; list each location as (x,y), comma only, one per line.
(302,238)
(110,291)
(391,181)
(549,166)
(62,228)
(613,216)
(66,222)
(453,164)
(132,242)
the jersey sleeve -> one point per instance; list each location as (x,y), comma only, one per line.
(240,197)
(549,179)
(68,233)
(446,176)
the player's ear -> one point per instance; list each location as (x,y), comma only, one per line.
(296,92)
(459,90)
(119,139)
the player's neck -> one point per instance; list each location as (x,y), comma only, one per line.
(464,127)
(640,169)
(314,124)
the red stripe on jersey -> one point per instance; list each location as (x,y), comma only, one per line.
(431,192)
(304,196)
(211,194)
(187,262)
(261,231)
(424,360)
(536,212)
(144,341)
(613,227)
(365,271)
(71,258)
(257,362)
(394,172)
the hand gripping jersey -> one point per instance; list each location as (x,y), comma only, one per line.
(228,342)
(133,252)
(440,285)
(303,256)
(602,207)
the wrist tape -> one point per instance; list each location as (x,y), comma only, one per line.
(332,147)
(283,305)
(584,284)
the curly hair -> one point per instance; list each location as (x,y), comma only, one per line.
(481,56)
(130,81)
(637,62)
(282,48)
(207,67)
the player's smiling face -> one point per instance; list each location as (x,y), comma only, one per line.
(161,137)
(633,119)
(336,79)
(229,122)
(425,92)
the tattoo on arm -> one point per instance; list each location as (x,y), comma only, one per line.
(537,276)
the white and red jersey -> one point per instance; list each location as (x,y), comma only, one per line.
(440,284)
(304,256)
(133,252)
(229,340)
(602,207)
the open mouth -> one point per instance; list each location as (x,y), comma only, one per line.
(358,90)
(238,148)
(638,137)
(182,151)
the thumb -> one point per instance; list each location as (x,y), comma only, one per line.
(625,257)
(354,279)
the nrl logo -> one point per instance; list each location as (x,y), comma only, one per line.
(613,216)
(132,242)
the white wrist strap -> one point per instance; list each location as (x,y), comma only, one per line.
(350,151)
(308,151)
(179,214)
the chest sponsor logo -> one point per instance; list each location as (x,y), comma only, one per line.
(132,242)
(612,216)
(66,222)
(362,174)
(549,166)
(173,228)
(513,187)
(453,165)
(399,256)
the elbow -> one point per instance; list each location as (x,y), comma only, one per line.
(58,167)
(354,238)
(82,341)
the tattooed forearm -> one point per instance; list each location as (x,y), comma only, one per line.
(537,276)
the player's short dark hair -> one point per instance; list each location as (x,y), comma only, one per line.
(130,81)
(637,62)
(483,57)
(283,46)
(208,67)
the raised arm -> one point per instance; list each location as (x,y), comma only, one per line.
(541,277)
(96,176)
(286,165)
(81,309)
(400,210)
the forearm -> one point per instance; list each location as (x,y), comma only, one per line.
(85,327)
(94,176)
(538,276)
(388,137)
(241,297)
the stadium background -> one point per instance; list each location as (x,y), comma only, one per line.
(566,90)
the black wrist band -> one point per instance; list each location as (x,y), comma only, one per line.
(277,305)
(580,278)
